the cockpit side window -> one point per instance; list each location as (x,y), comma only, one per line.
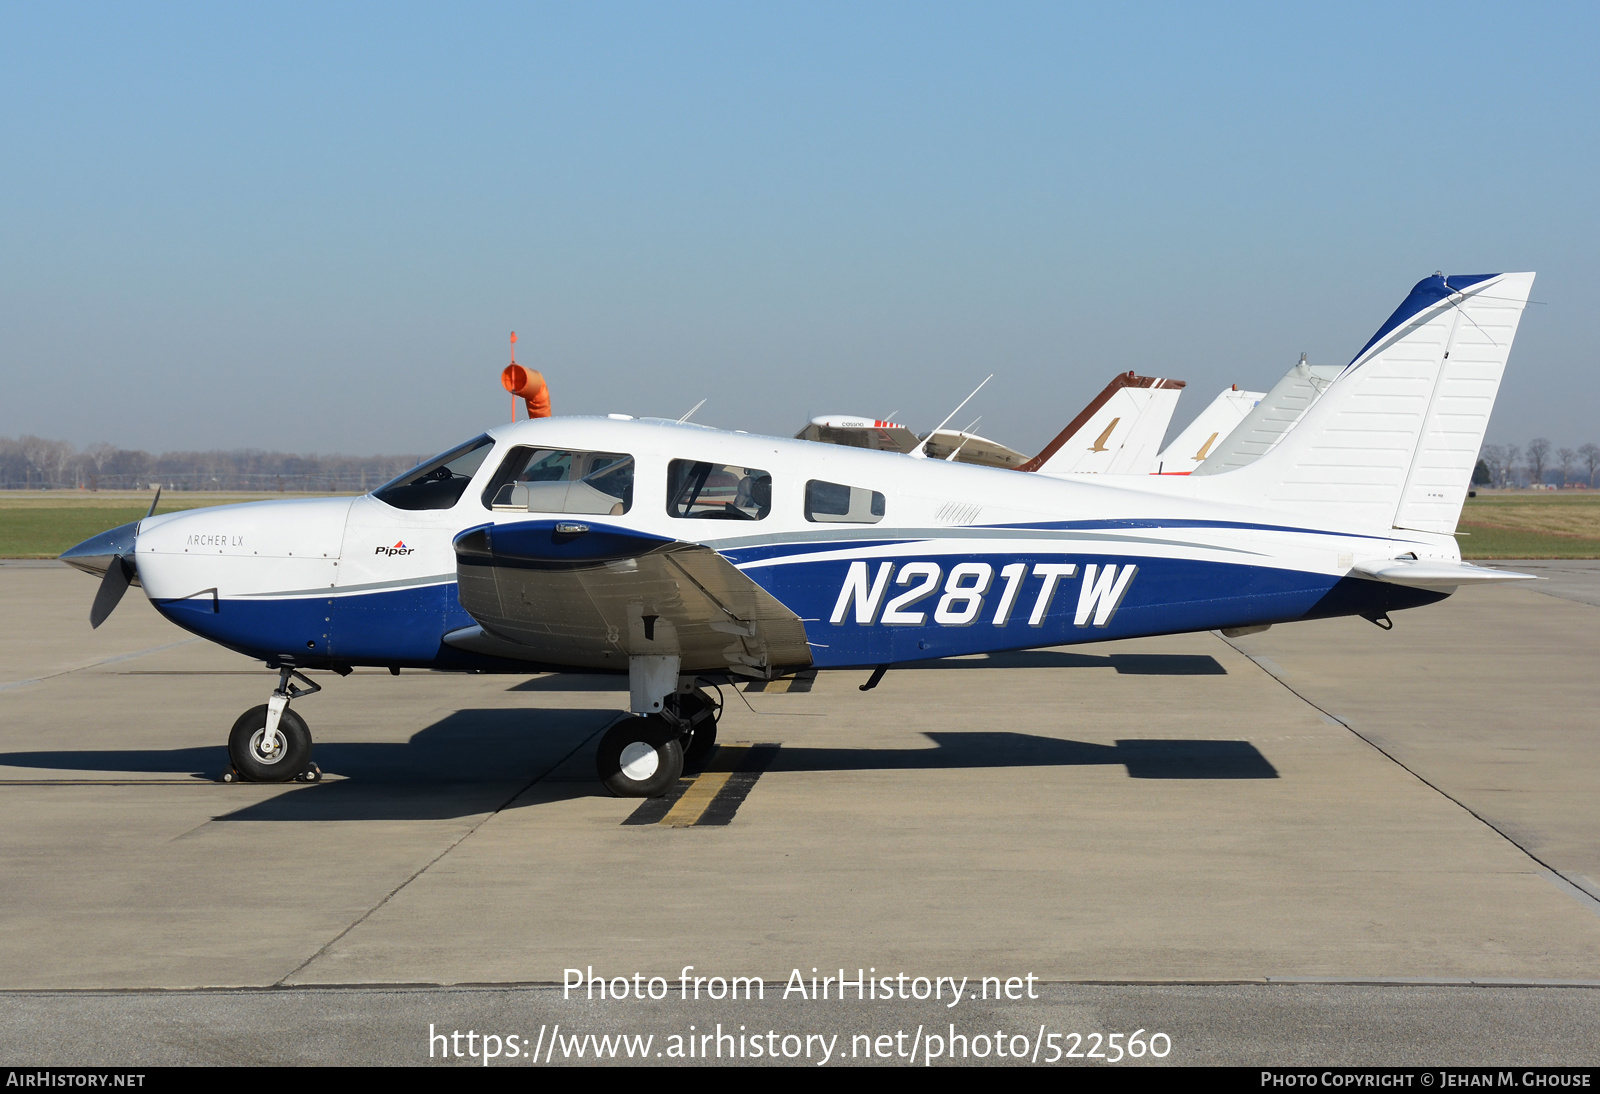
(834,503)
(546,480)
(712,491)
(440,482)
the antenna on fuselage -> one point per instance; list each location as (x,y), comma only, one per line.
(692,409)
(966,435)
(921,451)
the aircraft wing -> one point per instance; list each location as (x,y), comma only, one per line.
(587,595)
(1118,433)
(970,448)
(873,433)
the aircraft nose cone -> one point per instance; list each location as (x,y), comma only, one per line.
(94,555)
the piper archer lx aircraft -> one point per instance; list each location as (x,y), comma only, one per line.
(681,554)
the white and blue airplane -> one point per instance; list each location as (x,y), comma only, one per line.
(682,555)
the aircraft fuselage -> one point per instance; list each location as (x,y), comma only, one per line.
(958,560)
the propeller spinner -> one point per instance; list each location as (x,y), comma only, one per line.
(109,555)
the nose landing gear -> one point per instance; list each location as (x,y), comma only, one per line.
(271,743)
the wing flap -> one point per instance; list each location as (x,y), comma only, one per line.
(595,597)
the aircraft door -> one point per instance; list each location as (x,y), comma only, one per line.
(395,594)
(396,578)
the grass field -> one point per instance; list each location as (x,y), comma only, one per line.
(1531,524)
(1509,524)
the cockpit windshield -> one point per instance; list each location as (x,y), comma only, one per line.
(440,482)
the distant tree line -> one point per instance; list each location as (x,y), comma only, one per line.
(34,463)
(1540,463)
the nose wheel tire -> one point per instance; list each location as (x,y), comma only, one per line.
(290,756)
(640,758)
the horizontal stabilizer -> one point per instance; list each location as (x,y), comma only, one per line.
(1427,574)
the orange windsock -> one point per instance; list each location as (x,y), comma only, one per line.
(529,384)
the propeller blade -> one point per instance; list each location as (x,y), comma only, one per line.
(112,586)
(155,501)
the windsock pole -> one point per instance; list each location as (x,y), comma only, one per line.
(513,361)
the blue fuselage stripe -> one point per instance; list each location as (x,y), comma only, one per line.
(405,626)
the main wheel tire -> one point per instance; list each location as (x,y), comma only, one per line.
(283,763)
(701,712)
(701,743)
(640,758)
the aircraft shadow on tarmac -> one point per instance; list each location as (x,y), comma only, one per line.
(1125,664)
(474,761)
(1144,759)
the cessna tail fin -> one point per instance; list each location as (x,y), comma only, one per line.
(1118,433)
(1392,443)
(1211,428)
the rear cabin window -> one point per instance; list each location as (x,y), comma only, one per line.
(834,503)
(546,480)
(439,483)
(715,491)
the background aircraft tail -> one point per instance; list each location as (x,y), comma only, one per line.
(1392,442)
(1118,433)
(1270,419)
(1210,429)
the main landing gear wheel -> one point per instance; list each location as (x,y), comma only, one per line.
(290,756)
(697,714)
(640,757)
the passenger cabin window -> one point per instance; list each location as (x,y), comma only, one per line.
(714,491)
(439,483)
(832,503)
(547,480)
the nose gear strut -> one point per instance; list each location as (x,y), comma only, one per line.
(271,743)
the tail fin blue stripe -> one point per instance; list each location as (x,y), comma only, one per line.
(1426,293)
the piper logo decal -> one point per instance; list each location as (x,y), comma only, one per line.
(398,549)
(965,598)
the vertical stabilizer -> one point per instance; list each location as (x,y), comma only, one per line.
(1211,427)
(1393,441)
(1271,418)
(1118,433)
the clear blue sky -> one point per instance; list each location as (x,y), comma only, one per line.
(312,227)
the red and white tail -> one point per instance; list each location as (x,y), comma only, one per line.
(1118,433)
